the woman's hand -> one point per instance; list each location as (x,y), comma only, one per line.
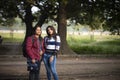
(51,58)
(33,61)
(41,52)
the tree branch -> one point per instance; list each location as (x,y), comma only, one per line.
(20,15)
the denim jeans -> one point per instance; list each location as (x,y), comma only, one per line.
(50,66)
(34,75)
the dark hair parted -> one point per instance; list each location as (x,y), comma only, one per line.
(34,29)
(54,32)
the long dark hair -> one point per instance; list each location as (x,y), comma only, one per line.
(34,31)
(54,32)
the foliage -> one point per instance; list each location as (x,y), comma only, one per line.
(95,13)
(7,12)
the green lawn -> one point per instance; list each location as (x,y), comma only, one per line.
(100,45)
(81,44)
(17,37)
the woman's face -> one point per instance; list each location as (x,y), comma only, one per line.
(38,31)
(50,31)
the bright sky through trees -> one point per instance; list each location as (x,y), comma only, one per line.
(34,9)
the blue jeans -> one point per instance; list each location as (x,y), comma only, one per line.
(34,75)
(50,66)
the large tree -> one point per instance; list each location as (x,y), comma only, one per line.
(113,16)
(62,27)
(96,13)
(48,9)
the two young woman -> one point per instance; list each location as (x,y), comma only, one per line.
(43,49)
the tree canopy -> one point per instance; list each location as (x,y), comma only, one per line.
(91,12)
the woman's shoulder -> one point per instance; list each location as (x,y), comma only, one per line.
(31,37)
(45,37)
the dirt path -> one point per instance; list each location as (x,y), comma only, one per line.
(67,68)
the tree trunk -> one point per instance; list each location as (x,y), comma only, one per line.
(118,31)
(62,30)
(42,19)
(92,35)
(28,21)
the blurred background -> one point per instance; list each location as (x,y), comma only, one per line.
(85,27)
(89,31)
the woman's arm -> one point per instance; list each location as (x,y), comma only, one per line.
(29,47)
(58,41)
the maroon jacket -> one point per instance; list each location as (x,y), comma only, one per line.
(33,47)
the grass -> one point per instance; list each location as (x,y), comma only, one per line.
(16,37)
(12,40)
(100,45)
(106,44)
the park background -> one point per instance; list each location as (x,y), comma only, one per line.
(79,38)
(89,31)
(87,27)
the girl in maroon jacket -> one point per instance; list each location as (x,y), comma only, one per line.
(34,49)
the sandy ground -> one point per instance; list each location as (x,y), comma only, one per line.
(81,68)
